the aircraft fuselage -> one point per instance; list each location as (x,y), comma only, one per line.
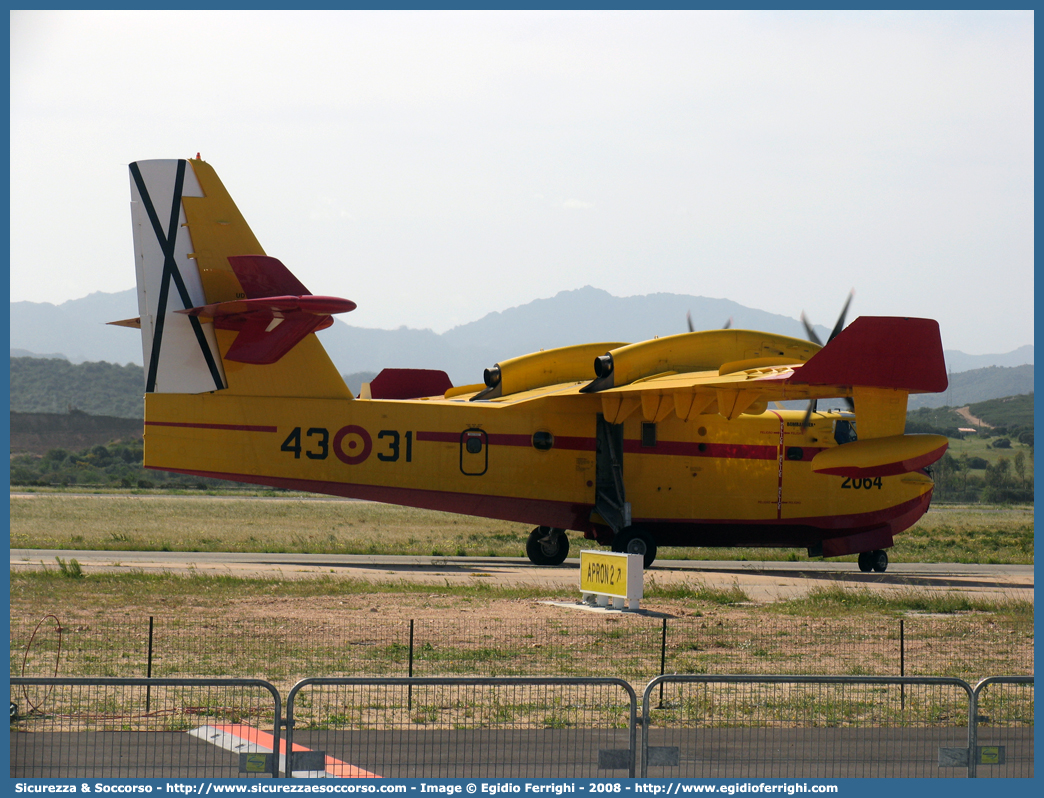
(534,458)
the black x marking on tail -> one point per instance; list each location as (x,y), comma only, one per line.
(170,271)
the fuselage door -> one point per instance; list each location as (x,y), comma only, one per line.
(474,452)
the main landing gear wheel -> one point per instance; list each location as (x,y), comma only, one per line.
(873,561)
(635,540)
(547,546)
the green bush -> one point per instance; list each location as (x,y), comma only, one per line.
(119,465)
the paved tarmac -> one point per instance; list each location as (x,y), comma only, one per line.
(743,753)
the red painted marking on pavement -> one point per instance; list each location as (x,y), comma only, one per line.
(335,767)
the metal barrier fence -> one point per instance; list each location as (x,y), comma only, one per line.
(140,728)
(634,647)
(691,727)
(803,726)
(1003,731)
(466,728)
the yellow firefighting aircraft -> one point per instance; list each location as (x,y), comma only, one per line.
(677,441)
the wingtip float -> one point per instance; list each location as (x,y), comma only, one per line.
(678,441)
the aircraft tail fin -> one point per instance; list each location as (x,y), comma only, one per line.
(884,359)
(902,354)
(216,313)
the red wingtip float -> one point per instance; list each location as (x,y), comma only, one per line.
(670,442)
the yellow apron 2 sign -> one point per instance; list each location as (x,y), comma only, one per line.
(605,576)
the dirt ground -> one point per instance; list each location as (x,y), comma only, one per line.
(966,413)
(761,581)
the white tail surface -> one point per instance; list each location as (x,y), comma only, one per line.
(180,353)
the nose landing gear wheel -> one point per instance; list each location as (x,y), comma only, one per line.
(880,561)
(635,540)
(873,561)
(547,546)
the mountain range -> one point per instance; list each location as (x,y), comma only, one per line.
(76,331)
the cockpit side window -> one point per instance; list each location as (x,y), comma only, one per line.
(844,431)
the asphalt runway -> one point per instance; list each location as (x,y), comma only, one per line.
(762,581)
(745,753)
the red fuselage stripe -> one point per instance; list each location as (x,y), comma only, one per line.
(736,451)
(196,425)
(732,451)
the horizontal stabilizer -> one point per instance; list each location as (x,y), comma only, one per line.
(269,327)
(262,341)
(881,351)
(133,323)
(277,313)
(881,457)
(223,313)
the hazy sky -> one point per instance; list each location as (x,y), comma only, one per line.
(436,166)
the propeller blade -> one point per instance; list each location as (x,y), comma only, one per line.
(688,318)
(809,331)
(837,327)
(815,339)
(808,414)
(841,319)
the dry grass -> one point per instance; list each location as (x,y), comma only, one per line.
(284,630)
(307,525)
(300,525)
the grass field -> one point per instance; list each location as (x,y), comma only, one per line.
(57,520)
(286,629)
(974,446)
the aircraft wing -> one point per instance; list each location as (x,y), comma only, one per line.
(690,394)
(878,361)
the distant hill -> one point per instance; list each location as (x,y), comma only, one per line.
(1008,415)
(50,385)
(957,362)
(978,386)
(27,353)
(39,433)
(77,330)
(570,317)
(1007,411)
(355,381)
(55,386)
